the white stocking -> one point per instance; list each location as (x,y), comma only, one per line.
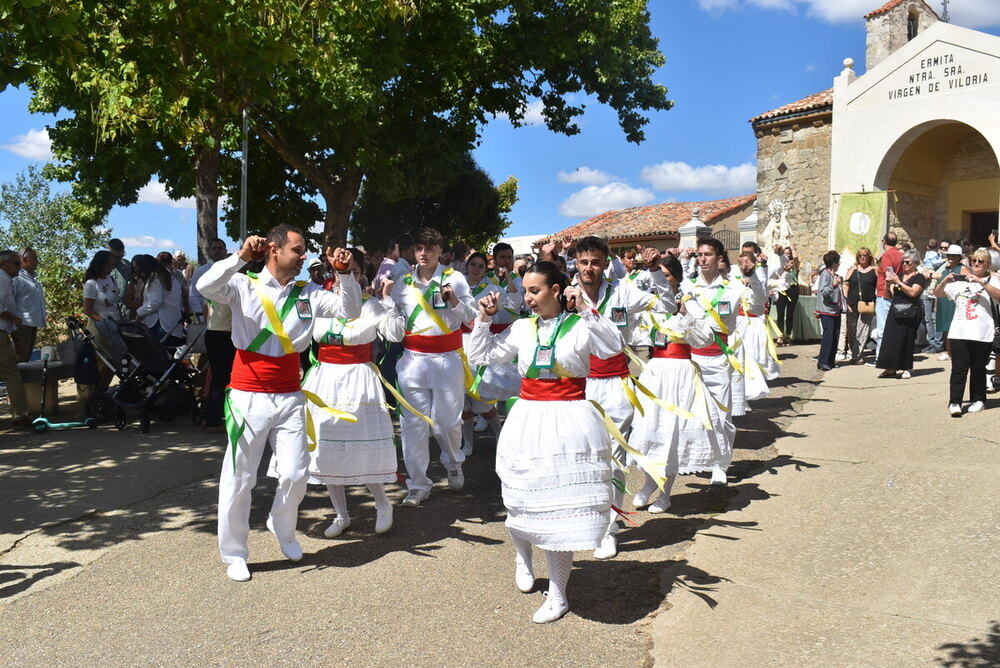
(523,547)
(560,564)
(338,496)
(378,492)
(467,433)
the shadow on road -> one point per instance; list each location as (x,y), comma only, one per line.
(976,653)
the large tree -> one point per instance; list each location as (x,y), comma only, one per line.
(340,91)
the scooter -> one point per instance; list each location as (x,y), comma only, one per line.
(41,423)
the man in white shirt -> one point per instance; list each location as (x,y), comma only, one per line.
(272,319)
(30,300)
(10,265)
(434,301)
(216,251)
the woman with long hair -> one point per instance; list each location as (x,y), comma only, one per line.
(161,300)
(972,329)
(904,318)
(554,452)
(860,284)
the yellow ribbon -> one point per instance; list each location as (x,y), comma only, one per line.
(311,426)
(772,332)
(655,469)
(630,395)
(676,410)
(638,361)
(701,384)
(431,313)
(399,397)
(272,315)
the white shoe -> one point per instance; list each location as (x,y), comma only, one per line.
(290,548)
(480,424)
(906,375)
(842,357)
(383,518)
(415,497)
(456,479)
(641,499)
(238,571)
(608,548)
(955,410)
(718,476)
(661,505)
(550,612)
(467,449)
(944,357)
(976,407)
(523,576)
(991,365)
(337,527)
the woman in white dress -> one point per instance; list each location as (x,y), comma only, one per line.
(496,382)
(554,452)
(750,345)
(363,452)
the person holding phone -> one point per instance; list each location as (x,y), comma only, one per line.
(945,309)
(903,320)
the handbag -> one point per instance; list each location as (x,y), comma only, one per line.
(864,308)
(904,310)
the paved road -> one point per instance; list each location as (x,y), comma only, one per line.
(107,553)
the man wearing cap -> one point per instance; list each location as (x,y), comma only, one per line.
(272,319)
(891,261)
(317,271)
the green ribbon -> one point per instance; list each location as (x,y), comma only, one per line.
(268,331)
(557,336)
(233,430)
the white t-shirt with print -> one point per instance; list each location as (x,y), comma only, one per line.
(973,320)
(104,292)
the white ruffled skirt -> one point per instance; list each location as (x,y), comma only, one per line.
(554,463)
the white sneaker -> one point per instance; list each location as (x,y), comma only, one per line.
(641,498)
(456,479)
(842,357)
(523,576)
(415,497)
(718,476)
(337,527)
(238,571)
(608,548)
(290,548)
(467,449)
(976,407)
(991,365)
(383,518)
(550,612)
(661,505)
(480,424)
(955,410)
(944,357)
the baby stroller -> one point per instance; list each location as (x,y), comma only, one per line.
(153,382)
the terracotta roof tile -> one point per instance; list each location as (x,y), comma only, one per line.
(815,101)
(889,6)
(655,220)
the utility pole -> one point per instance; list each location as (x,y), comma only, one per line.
(243,178)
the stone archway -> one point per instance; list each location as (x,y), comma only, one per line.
(946,179)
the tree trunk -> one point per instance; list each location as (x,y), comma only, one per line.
(340,197)
(206,197)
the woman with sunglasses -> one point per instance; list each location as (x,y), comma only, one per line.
(972,328)
(901,325)
(554,452)
(860,284)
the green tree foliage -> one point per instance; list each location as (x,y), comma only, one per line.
(465,206)
(32,215)
(395,91)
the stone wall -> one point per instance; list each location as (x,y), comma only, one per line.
(972,159)
(914,219)
(793,166)
(887,32)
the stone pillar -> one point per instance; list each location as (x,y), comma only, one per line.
(693,230)
(748,227)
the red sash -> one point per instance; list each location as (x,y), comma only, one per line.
(253,372)
(346,354)
(553,389)
(673,351)
(444,343)
(712,350)
(613,367)
(749,315)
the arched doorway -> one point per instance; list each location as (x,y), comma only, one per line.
(946,180)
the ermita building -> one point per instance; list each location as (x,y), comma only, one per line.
(909,145)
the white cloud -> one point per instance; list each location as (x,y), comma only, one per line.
(713,178)
(155,192)
(33,145)
(150,242)
(594,200)
(532,114)
(587,176)
(966,13)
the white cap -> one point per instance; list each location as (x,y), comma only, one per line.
(955,249)
(315,262)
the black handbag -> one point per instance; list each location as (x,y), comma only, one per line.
(905,310)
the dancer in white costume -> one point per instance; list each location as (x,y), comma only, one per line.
(675,427)
(272,323)
(750,342)
(717,300)
(360,453)
(499,381)
(608,382)
(433,302)
(554,453)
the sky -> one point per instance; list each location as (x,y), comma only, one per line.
(726,62)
